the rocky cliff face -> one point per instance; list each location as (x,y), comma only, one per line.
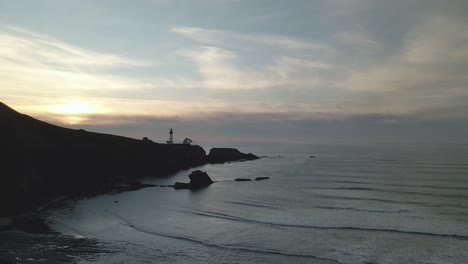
(39,160)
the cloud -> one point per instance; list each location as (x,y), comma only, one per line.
(227,38)
(437,40)
(219,69)
(358,41)
(341,84)
(48,77)
(283,127)
(74,110)
(37,64)
(426,75)
(245,73)
(221,59)
(45,76)
(20,46)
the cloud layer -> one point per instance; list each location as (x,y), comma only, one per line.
(307,63)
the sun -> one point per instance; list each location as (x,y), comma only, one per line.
(75,111)
(75,107)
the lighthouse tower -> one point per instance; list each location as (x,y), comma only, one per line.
(171,139)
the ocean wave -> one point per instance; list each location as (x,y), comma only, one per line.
(408,162)
(394,184)
(351,228)
(339,197)
(393,191)
(252,204)
(127,223)
(359,175)
(397,162)
(362,210)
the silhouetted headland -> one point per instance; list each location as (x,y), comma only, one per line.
(223,155)
(40,161)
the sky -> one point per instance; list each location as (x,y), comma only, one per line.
(232,70)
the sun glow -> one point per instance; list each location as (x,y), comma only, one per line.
(76,111)
(74,107)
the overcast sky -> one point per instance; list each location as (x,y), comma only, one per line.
(303,71)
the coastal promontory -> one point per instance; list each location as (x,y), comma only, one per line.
(223,155)
(40,161)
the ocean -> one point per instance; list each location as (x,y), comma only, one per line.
(381,203)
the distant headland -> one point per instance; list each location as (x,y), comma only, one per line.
(40,161)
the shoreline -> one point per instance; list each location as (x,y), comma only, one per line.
(47,166)
(21,247)
(28,238)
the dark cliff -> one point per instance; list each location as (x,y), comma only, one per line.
(222,155)
(39,160)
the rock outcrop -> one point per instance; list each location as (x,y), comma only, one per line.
(198,179)
(222,155)
(243,179)
(39,161)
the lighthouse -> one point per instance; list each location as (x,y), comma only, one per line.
(171,138)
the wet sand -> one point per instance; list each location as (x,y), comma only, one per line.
(17,246)
(27,238)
